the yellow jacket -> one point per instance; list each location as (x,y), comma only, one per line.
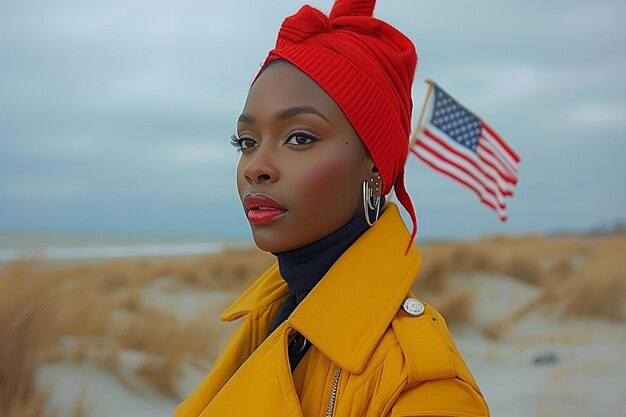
(369,356)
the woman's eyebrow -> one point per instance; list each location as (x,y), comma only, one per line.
(287,113)
(244,118)
(295,111)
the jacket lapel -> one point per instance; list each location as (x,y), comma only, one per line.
(262,386)
(349,310)
(266,290)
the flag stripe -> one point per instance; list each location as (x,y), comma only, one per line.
(515,158)
(503,169)
(487,140)
(463,172)
(433,164)
(472,158)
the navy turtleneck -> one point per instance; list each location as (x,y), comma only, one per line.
(304,267)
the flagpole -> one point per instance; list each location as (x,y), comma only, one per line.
(413,138)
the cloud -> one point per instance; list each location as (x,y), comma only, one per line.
(595,116)
(495,85)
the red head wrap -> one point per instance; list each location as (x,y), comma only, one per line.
(367,67)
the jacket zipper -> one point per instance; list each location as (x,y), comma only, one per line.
(333,394)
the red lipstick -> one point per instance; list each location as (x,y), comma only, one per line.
(261,209)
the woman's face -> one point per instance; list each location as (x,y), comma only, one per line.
(302,165)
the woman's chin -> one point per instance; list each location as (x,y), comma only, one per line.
(267,243)
(273,242)
(262,245)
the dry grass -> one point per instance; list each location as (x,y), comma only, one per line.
(498,328)
(456,308)
(597,290)
(34,407)
(433,275)
(580,276)
(524,267)
(161,372)
(93,312)
(230,269)
(23,332)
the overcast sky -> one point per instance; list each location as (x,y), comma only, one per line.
(115,116)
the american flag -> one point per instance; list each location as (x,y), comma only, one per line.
(457,143)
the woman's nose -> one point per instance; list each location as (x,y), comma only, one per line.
(260,168)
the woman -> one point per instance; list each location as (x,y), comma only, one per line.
(332,329)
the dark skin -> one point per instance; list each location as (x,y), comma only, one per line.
(300,150)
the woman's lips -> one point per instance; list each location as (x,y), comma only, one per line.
(261,209)
(263,216)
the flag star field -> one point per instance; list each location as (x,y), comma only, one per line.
(455,121)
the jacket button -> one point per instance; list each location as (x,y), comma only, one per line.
(413,306)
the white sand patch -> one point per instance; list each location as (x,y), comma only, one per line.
(584,380)
(187,303)
(493,295)
(105,395)
(184,301)
(115,391)
(542,365)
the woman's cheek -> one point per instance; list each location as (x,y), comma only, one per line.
(329,181)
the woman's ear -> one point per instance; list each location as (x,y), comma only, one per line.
(379,180)
(377,185)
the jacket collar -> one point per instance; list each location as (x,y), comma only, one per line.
(349,310)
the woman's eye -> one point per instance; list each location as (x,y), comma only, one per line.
(300,139)
(242,144)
